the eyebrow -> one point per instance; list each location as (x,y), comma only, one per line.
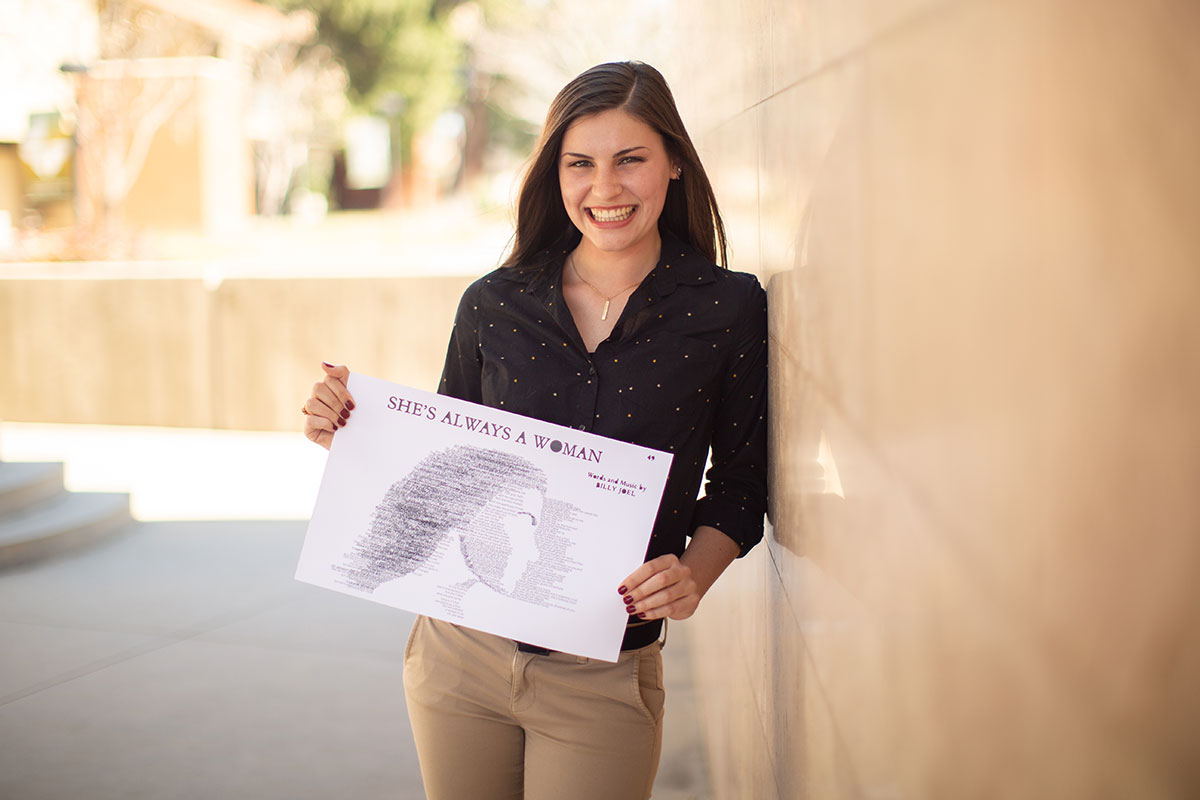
(617,154)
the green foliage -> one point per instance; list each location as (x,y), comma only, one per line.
(392,50)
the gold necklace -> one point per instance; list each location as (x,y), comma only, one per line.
(607,300)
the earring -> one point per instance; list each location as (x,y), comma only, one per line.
(678,173)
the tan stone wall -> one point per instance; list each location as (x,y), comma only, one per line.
(243,355)
(978,221)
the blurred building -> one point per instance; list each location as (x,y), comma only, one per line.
(36,105)
(137,111)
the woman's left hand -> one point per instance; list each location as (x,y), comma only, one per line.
(671,586)
(662,587)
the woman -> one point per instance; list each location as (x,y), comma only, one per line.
(611,316)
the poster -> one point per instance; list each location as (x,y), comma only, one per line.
(483,518)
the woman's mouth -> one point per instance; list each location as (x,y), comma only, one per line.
(617,214)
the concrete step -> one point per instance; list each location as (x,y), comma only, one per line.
(23,485)
(64,521)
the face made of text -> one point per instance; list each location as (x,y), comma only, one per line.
(501,541)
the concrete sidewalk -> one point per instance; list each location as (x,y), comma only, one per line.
(181,660)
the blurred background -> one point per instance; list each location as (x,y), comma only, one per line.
(976,222)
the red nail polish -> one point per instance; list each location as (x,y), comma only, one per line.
(628,599)
(350,404)
(642,615)
(630,609)
(326,363)
(622,590)
(345,414)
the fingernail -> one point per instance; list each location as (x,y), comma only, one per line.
(350,404)
(345,414)
(622,590)
(628,599)
(631,609)
(341,423)
(642,615)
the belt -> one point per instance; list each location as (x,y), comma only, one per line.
(637,635)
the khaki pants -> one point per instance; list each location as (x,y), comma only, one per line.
(493,722)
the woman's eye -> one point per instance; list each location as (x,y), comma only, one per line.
(632,159)
(579,164)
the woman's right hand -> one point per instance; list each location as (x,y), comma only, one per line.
(328,407)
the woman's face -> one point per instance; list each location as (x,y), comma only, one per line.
(614,172)
(521,525)
(502,538)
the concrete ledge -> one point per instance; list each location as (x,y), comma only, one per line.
(65,522)
(183,352)
(23,485)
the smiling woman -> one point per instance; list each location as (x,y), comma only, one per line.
(615,202)
(615,198)
(689,207)
(610,315)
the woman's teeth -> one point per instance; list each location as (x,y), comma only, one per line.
(611,214)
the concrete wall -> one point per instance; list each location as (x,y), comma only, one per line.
(978,222)
(243,355)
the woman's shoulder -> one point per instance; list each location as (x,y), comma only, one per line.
(495,288)
(740,292)
(743,301)
(505,280)
(744,283)
(699,270)
(496,278)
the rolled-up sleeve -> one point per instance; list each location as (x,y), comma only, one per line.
(735,492)
(462,370)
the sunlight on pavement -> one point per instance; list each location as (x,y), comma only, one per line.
(179,473)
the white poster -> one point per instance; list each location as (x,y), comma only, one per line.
(483,518)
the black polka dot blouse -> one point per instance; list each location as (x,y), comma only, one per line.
(684,370)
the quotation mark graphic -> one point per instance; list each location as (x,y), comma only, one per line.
(650,458)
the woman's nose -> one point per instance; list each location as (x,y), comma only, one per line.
(605,186)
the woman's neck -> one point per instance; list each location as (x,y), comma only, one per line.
(615,270)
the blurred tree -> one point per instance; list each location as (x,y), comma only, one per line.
(496,132)
(298,101)
(399,55)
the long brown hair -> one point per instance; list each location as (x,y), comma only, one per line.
(690,211)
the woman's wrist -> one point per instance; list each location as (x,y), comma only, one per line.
(707,555)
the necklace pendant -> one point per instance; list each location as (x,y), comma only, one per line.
(604,313)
